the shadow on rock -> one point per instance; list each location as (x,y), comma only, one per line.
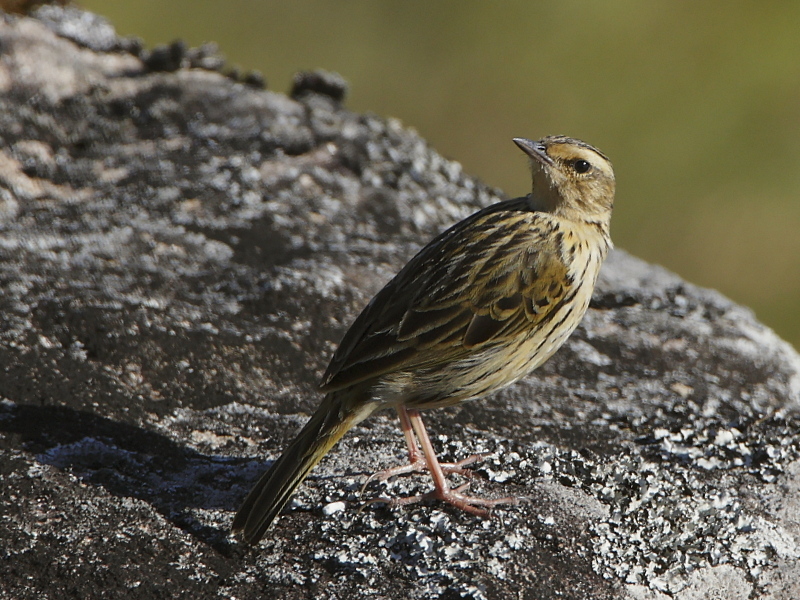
(130,461)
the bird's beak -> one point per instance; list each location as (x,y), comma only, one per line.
(536,150)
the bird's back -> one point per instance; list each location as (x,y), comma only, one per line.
(473,311)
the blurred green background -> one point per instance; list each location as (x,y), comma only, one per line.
(697,104)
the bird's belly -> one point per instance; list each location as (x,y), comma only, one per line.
(496,367)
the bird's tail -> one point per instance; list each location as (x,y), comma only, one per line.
(328,424)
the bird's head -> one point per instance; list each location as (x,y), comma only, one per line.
(570,178)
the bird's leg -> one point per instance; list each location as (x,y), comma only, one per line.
(411,423)
(416,461)
(416,458)
(441,491)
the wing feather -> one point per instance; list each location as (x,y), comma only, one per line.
(486,279)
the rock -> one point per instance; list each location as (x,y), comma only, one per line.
(180,254)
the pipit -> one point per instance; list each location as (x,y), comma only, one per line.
(483,304)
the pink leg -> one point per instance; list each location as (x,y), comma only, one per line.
(416,461)
(411,423)
(414,455)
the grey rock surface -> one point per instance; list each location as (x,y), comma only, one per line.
(180,252)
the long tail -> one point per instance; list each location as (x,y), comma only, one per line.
(328,424)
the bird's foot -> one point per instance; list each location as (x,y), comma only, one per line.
(420,465)
(480,507)
(422,457)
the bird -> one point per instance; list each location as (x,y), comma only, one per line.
(482,305)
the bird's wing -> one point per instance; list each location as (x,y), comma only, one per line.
(483,281)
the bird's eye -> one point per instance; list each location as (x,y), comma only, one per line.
(581,166)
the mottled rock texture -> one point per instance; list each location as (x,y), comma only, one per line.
(181,250)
